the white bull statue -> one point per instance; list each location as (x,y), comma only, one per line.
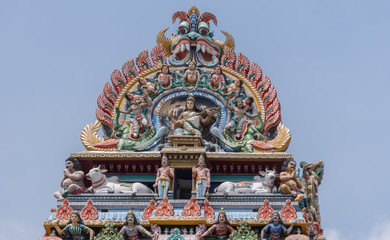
(102,184)
(258,186)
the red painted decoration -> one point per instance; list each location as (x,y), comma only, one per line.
(208,210)
(192,208)
(265,212)
(63,213)
(149,210)
(288,212)
(89,212)
(165,208)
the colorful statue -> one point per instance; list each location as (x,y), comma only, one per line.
(217,80)
(147,87)
(72,183)
(234,88)
(191,75)
(201,175)
(237,121)
(275,228)
(138,104)
(131,228)
(165,78)
(221,228)
(191,120)
(75,228)
(164,173)
(289,182)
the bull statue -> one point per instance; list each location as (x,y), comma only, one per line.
(258,186)
(102,184)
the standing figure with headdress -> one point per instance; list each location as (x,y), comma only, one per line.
(75,228)
(164,173)
(131,228)
(191,75)
(221,228)
(192,119)
(275,228)
(164,78)
(201,175)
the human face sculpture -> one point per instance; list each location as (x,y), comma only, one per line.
(74,218)
(291,166)
(217,70)
(221,218)
(275,217)
(164,162)
(191,65)
(130,219)
(69,165)
(190,105)
(240,103)
(201,163)
(142,81)
(164,70)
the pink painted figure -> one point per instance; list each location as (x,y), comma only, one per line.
(163,178)
(165,78)
(217,80)
(234,87)
(72,182)
(147,87)
(191,75)
(201,175)
(138,104)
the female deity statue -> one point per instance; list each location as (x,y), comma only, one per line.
(164,173)
(201,174)
(131,228)
(191,75)
(275,228)
(75,228)
(217,80)
(165,78)
(221,228)
(191,120)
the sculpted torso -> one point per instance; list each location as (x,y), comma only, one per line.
(72,178)
(164,79)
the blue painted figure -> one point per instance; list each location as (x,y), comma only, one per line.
(275,228)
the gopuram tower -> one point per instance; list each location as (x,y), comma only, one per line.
(192,147)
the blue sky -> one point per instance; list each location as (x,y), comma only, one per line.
(328,60)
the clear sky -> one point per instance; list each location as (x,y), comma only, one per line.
(329,61)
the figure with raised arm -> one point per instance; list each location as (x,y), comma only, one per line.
(165,78)
(239,118)
(222,227)
(138,104)
(275,228)
(72,182)
(201,176)
(131,228)
(191,75)
(164,173)
(75,228)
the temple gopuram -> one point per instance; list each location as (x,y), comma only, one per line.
(188,143)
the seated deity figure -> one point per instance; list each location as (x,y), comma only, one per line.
(234,88)
(217,80)
(131,228)
(201,176)
(138,104)
(275,228)
(222,227)
(191,120)
(164,173)
(75,228)
(191,75)
(239,118)
(165,78)
(72,182)
(147,87)
(289,182)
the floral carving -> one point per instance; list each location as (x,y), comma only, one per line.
(164,208)
(192,208)
(63,213)
(89,212)
(265,212)
(288,212)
